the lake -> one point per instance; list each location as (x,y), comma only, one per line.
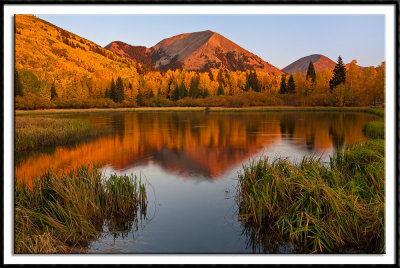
(190,162)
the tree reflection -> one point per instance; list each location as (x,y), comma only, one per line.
(197,143)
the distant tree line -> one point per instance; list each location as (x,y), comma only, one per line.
(338,87)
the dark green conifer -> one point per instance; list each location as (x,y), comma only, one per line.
(53,92)
(339,74)
(311,72)
(119,90)
(17,85)
(113,94)
(291,87)
(283,89)
(220,89)
(194,87)
(107,93)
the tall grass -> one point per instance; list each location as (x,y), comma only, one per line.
(375,129)
(61,212)
(320,207)
(33,132)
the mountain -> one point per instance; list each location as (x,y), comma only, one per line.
(198,51)
(137,53)
(320,62)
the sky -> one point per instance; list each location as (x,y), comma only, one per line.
(277,39)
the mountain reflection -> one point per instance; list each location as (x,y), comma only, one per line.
(198,143)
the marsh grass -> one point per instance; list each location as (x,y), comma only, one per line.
(320,207)
(34,132)
(62,212)
(375,129)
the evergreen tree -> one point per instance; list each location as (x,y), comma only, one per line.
(113,94)
(220,89)
(194,87)
(107,93)
(220,76)
(53,92)
(210,74)
(282,89)
(151,95)
(339,75)
(254,81)
(17,85)
(159,92)
(139,98)
(206,93)
(291,87)
(311,72)
(119,90)
(183,91)
(175,93)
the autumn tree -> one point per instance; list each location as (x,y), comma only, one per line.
(339,75)
(282,89)
(17,85)
(311,72)
(291,87)
(53,92)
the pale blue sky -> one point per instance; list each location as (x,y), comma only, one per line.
(278,39)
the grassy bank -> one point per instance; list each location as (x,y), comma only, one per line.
(324,208)
(375,111)
(33,132)
(62,212)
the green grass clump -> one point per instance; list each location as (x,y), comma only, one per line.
(61,212)
(375,129)
(323,208)
(376,111)
(34,132)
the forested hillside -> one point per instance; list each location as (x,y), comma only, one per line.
(56,68)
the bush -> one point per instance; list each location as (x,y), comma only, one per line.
(86,103)
(31,101)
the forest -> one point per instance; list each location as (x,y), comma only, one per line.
(222,88)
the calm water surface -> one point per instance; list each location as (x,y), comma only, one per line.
(190,162)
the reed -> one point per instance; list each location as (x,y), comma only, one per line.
(375,129)
(34,132)
(61,212)
(320,207)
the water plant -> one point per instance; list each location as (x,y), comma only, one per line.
(321,207)
(61,212)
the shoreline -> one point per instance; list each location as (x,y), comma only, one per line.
(208,109)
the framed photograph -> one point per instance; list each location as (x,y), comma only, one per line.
(200,133)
